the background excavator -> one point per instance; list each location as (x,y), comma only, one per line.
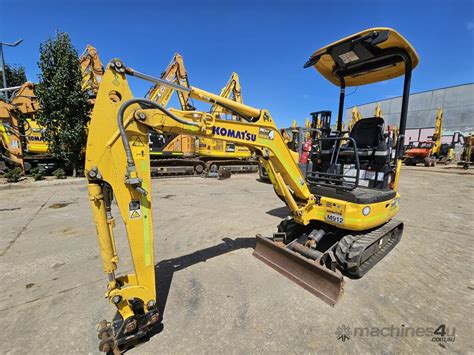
(22,141)
(356,116)
(219,154)
(173,154)
(23,144)
(342,211)
(180,154)
(429,152)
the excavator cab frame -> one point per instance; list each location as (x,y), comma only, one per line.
(367,57)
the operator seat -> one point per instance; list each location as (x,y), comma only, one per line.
(368,136)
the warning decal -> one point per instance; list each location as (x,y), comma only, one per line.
(138,145)
(134,209)
(137,142)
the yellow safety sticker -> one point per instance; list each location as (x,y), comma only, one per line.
(137,144)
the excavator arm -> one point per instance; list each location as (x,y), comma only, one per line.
(92,70)
(175,72)
(438,133)
(231,90)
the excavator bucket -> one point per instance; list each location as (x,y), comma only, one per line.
(310,274)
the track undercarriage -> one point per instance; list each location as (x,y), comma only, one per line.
(172,167)
(317,256)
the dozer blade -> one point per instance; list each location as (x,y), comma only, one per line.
(324,283)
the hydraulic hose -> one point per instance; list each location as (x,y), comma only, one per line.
(123,134)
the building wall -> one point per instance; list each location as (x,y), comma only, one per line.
(458,111)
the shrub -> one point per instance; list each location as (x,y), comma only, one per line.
(13,175)
(59,173)
(37,174)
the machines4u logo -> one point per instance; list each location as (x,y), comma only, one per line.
(441,334)
(232,133)
(343,333)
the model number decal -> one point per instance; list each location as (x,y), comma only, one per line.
(334,218)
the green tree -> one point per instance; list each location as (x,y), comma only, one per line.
(64,106)
(15,74)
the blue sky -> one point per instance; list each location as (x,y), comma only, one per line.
(265,42)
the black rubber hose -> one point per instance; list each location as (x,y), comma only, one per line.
(147,102)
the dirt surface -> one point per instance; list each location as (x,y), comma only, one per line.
(218,298)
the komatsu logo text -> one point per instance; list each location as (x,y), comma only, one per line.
(232,133)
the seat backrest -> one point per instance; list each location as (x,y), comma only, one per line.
(368,132)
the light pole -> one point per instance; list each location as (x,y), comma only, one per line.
(2,59)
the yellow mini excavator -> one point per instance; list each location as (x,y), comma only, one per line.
(342,211)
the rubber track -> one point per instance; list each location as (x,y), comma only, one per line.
(351,247)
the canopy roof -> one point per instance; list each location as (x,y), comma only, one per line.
(372,55)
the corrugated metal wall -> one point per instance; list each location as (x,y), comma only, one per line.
(457,103)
